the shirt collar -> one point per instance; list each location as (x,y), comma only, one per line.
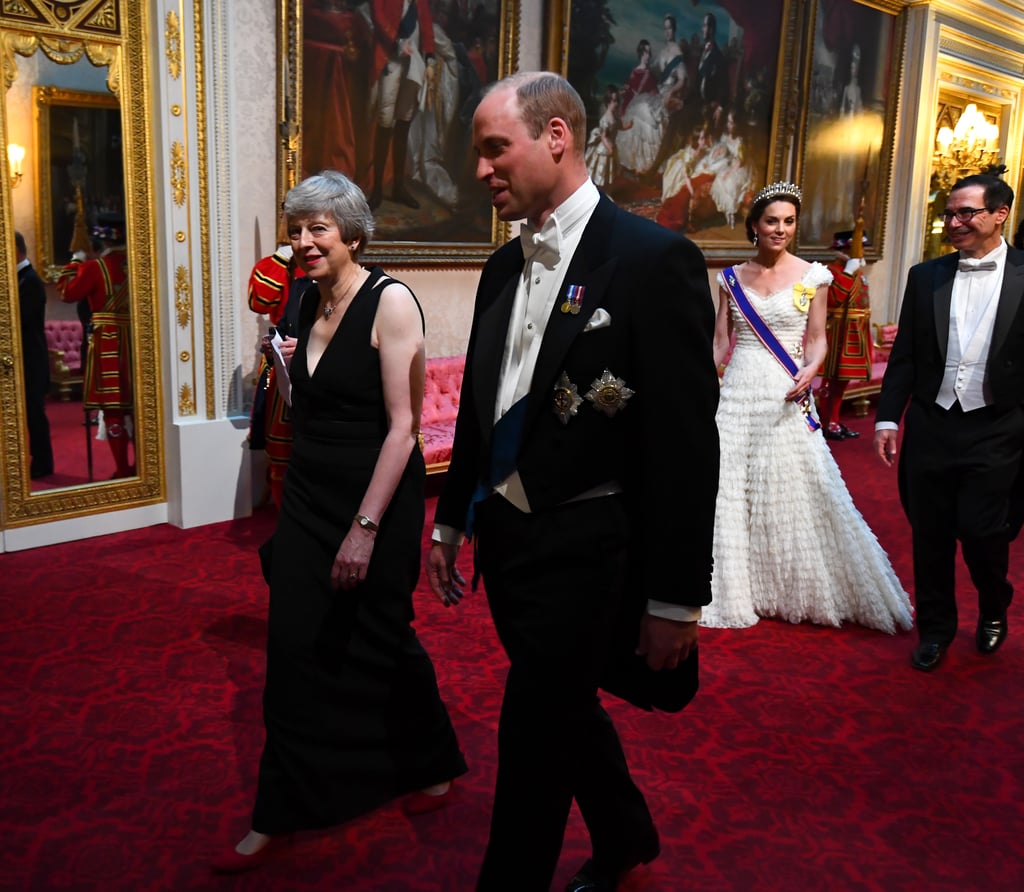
(577,208)
(997,253)
(561,229)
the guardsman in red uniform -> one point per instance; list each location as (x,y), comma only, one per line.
(107,386)
(272,283)
(848,329)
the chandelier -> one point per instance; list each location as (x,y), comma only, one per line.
(972,146)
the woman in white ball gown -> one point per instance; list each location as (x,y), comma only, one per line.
(789,542)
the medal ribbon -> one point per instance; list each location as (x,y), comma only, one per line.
(767,337)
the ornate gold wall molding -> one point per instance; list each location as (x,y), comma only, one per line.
(172,37)
(179,178)
(85,18)
(989,57)
(183,296)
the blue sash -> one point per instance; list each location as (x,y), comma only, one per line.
(767,337)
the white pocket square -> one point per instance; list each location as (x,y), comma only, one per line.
(601,319)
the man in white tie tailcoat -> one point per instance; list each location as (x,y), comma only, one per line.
(957,369)
(593,518)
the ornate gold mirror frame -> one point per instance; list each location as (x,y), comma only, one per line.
(55,107)
(106,34)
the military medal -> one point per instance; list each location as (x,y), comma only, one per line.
(608,393)
(573,300)
(566,399)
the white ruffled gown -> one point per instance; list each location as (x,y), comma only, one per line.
(789,542)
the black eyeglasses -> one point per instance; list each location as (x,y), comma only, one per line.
(962,214)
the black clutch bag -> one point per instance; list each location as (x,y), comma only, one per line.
(669,690)
(628,676)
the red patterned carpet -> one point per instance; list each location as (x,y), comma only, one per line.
(812,758)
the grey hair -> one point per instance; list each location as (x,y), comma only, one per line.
(332,193)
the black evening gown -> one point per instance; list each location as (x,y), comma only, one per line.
(351,706)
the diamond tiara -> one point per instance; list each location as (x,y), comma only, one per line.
(775,190)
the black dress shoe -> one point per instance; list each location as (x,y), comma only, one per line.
(590,878)
(927,655)
(593,877)
(991,634)
(849,434)
(834,434)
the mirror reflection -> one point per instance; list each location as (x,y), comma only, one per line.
(72,223)
(966,142)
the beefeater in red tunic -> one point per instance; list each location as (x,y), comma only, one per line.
(848,330)
(107,385)
(272,282)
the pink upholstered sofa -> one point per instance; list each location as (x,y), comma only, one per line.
(64,340)
(440,407)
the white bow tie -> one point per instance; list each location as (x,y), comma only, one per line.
(544,245)
(968,265)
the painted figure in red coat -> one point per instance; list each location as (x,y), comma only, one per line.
(405,66)
(337,46)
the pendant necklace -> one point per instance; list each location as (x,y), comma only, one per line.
(330,308)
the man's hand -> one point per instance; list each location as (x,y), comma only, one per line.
(445,578)
(885,446)
(665,642)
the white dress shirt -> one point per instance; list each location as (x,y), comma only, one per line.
(535,300)
(971,318)
(972,314)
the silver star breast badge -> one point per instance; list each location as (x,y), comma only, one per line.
(608,393)
(566,400)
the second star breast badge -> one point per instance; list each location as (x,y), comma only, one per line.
(608,393)
(567,399)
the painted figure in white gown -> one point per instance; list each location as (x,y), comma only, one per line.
(600,154)
(648,112)
(734,178)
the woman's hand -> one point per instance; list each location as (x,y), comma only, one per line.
(353,558)
(287,348)
(802,384)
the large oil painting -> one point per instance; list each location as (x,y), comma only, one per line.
(684,103)
(854,71)
(384,91)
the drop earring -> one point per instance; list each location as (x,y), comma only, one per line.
(755,239)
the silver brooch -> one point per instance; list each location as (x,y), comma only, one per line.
(567,399)
(608,393)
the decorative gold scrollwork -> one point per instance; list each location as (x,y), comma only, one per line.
(172,34)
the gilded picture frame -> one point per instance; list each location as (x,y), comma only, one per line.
(853,70)
(703,119)
(78,138)
(335,112)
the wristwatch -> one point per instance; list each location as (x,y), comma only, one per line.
(366,523)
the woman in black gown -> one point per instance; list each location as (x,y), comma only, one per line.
(351,706)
